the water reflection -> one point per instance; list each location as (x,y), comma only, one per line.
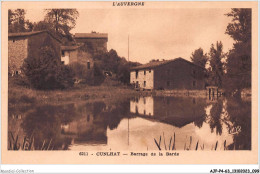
(134,124)
(171,110)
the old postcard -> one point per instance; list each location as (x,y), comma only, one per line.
(129,82)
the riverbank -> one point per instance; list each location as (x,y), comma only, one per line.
(182,93)
(18,95)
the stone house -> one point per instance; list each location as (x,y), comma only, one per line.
(28,44)
(70,54)
(93,43)
(168,74)
(81,61)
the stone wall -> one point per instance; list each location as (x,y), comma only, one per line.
(43,39)
(19,48)
(179,74)
(93,46)
(17,52)
(145,78)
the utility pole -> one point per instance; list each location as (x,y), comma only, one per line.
(128,48)
(129,69)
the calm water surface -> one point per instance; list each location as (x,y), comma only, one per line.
(135,124)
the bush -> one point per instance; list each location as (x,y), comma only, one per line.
(80,71)
(46,71)
(98,75)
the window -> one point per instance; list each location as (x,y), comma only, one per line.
(194,73)
(144,83)
(144,101)
(144,112)
(194,83)
(62,62)
(136,74)
(137,84)
(88,65)
(168,83)
(149,70)
(136,109)
(13,40)
(144,72)
(63,53)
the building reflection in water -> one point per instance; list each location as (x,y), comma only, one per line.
(133,124)
(175,111)
(89,127)
(142,106)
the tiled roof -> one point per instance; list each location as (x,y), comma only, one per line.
(69,48)
(27,34)
(24,33)
(154,64)
(91,35)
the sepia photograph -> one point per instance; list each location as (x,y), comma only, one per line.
(124,80)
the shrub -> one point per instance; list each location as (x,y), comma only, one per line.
(98,75)
(80,71)
(91,77)
(46,71)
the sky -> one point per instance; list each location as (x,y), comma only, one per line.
(153,33)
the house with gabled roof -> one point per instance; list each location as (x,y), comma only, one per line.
(169,74)
(28,44)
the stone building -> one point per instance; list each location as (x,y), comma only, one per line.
(169,74)
(94,43)
(28,44)
(71,54)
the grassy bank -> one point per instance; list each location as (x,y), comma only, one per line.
(21,95)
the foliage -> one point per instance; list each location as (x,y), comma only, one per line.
(46,71)
(199,58)
(43,25)
(98,75)
(240,28)
(110,61)
(62,21)
(17,22)
(216,65)
(82,73)
(80,70)
(238,65)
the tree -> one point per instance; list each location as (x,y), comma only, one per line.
(216,66)
(238,65)
(240,28)
(62,21)
(43,25)
(199,58)
(17,22)
(46,71)
(110,61)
